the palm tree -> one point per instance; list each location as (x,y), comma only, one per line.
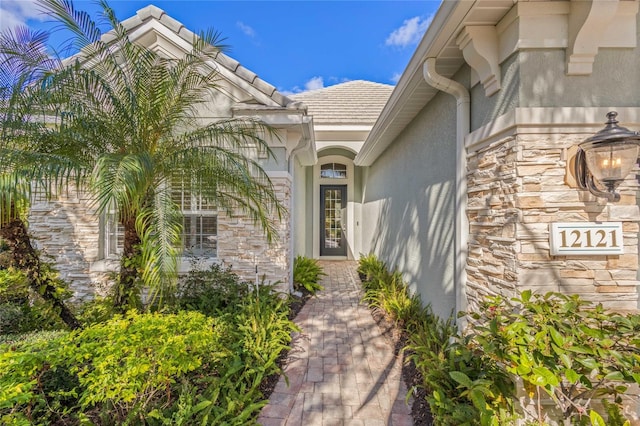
(24,62)
(134,112)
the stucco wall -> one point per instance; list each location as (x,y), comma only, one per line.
(301,209)
(615,80)
(485,109)
(408,204)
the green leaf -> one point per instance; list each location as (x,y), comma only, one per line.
(596,419)
(477,398)
(614,375)
(565,360)
(558,339)
(547,376)
(523,370)
(461,378)
(571,375)
(590,363)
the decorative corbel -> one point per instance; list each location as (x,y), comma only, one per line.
(479,45)
(588,21)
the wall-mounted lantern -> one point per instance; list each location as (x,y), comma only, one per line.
(606,158)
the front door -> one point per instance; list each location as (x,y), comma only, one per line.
(333,205)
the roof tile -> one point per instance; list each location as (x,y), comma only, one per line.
(353,102)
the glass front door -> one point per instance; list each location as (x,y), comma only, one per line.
(333,207)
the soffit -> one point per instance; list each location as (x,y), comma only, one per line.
(412,92)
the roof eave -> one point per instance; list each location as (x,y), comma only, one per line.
(444,25)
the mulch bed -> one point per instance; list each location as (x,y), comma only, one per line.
(412,377)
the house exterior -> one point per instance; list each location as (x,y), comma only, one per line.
(469,168)
(85,246)
(457,176)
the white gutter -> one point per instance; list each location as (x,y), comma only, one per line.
(463,118)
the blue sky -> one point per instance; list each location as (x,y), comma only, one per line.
(294,45)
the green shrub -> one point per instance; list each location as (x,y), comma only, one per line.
(211,291)
(463,385)
(154,368)
(394,297)
(95,311)
(307,274)
(21,309)
(564,349)
(13,286)
(373,272)
(35,384)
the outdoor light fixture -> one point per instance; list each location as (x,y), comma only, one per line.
(606,158)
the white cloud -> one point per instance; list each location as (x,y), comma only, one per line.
(409,33)
(14,13)
(314,83)
(246,29)
(396,77)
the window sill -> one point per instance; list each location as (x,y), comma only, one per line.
(185,264)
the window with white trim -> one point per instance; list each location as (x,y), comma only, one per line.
(199,226)
(333,171)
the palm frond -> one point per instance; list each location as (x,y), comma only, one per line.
(160,229)
(123,180)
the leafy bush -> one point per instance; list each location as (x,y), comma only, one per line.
(394,297)
(21,309)
(372,271)
(212,290)
(154,368)
(560,346)
(563,348)
(464,386)
(306,273)
(95,311)
(13,286)
(34,382)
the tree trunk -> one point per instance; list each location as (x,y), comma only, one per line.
(25,258)
(127,291)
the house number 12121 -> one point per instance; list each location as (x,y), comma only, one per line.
(587,238)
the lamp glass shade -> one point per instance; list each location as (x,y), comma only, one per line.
(612,162)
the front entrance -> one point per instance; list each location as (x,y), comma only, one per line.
(333,207)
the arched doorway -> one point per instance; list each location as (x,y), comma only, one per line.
(333,217)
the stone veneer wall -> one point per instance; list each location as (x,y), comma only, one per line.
(68,232)
(244,245)
(516,188)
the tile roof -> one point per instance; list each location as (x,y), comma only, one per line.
(243,74)
(353,102)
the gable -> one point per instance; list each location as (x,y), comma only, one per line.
(153,28)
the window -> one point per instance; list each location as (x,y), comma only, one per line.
(333,171)
(199,226)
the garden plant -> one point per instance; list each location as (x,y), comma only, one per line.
(539,359)
(186,365)
(307,274)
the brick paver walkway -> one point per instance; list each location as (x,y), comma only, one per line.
(341,370)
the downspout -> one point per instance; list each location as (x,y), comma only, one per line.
(290,167)
(463,118)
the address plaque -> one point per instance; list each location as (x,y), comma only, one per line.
(586,238)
